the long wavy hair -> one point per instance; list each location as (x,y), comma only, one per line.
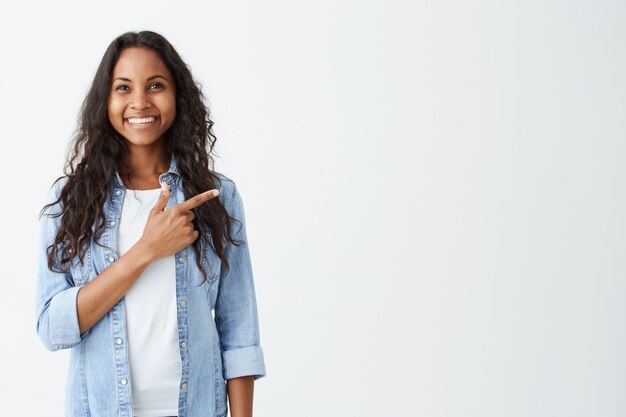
(97,150)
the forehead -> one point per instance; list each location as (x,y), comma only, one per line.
(139,62)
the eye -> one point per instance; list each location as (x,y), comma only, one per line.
(121,87)
(157,85)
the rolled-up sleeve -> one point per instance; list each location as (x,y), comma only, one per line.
(236,307)
(56,313)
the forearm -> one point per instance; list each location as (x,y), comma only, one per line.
(240,396)
(99,296)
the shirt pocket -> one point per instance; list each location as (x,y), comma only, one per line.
(81,271)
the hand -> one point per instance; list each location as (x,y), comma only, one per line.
(168,231)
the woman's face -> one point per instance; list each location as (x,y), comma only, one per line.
(142,99)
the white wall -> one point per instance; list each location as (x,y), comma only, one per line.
(434,191)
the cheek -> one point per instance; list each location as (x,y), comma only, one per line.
(114,110)
(169,107)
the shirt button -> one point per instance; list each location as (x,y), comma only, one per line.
(183,303)
(118,192)
(111,223)
(181,259)
(110,259)
(183,345)
(118,340)
(184,386)
(123,381)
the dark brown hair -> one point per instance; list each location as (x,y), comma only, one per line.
(98,151)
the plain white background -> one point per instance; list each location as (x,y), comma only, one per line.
(434,192)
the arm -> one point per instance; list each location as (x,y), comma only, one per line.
(100,295)
(66,312)
(236,308)
(165,233)
(240,396)
(57,321)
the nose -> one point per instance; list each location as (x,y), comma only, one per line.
(140,101)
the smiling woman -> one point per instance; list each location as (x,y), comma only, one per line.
(157,306)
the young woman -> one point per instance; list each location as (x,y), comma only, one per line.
(144,268)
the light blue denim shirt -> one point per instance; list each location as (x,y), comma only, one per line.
(218,325)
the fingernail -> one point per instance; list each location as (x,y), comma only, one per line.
(164,186)
(216,193)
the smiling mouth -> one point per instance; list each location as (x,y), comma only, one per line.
(140,122)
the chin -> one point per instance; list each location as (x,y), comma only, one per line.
(141,141)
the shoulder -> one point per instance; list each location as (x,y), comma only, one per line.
(226,186)
(230,196)
(58,185)
(54,192)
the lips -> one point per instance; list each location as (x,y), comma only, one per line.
(141,122)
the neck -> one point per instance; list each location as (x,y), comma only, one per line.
(146,165)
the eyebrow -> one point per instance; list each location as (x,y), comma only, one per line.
(151,78)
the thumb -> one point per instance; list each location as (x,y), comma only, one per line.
(163,198)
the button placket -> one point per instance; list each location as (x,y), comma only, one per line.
(120,348)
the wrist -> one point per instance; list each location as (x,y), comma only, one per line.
(143,254)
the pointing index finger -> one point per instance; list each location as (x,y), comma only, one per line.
(198,199)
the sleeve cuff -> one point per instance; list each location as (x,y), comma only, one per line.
(243,362)
(63,316)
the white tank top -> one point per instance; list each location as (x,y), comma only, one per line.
(151,319)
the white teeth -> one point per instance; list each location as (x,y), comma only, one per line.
(144,120)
